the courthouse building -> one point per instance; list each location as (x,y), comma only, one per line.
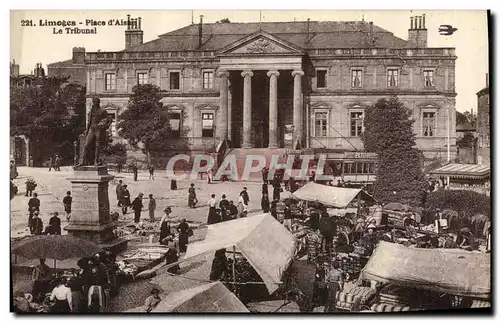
(282,85)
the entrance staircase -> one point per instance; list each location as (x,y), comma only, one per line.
(241,157)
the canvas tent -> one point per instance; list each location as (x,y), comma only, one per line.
(450,271)
(213,297)
(330,196)
(266,244)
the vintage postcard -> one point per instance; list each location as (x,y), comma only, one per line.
(250,161)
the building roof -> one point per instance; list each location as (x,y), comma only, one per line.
(64,63)
(322,34)
(485,90)
(464,171)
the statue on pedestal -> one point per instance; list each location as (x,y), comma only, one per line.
(99,122)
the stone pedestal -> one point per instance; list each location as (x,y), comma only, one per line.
(90,215)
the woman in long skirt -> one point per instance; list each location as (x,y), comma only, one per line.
(183,230)
(241,206)
(62,297)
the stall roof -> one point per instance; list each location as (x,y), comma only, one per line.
(328,195)
(267,245)
(213,297)
(451,271)
(463,171)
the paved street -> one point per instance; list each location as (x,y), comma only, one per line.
(52,187)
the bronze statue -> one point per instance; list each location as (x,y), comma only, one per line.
(99,122)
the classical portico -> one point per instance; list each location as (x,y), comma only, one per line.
(249,59)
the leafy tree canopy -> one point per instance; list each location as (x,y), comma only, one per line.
(389,133)
(145,120)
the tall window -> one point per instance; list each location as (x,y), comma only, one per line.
(428,78)
(356,123)
(207,125)
(208,80)
(113,124)
(321,78)
(321,124)
(175,80)
(356,78)
(109,81)
(142,78)
(175,124)
(429,123)
(392,77)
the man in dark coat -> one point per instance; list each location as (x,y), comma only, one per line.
(274,208)
(223,205)
(137,207)
(34,202)
(328,229)
(67,201)
(245,196)
(36,224)
(264,203)
(125,199)
(265,173)
(54,225)
(276,190)
(233,210)
(265,190)
(135,170)
(119,189)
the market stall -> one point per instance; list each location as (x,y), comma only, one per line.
(457,176)
(330,196)
(455,273)
(267,245)
(213,298)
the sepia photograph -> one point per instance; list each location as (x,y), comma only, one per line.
(250,161)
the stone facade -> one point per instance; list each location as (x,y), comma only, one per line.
(74,67)
(483,124)
(284,85)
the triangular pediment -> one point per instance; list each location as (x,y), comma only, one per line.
(261,43)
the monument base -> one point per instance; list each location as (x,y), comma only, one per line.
(90,218)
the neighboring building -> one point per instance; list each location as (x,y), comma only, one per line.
(26,80)
(456,176)
(283,85)
(483,124)
(20,144)
(74,67)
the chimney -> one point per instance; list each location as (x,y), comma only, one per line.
(200,32)
(39,71)
(133,35)
(14,68)
(487,80)
(307,27)
(417,34)
(78,55)
(372,38)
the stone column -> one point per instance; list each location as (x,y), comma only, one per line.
(273,108)
(297,107)
(247,109)
(224,107)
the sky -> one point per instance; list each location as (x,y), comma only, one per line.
(36,44)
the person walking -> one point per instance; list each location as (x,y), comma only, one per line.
(33,205)
(137,207)
(192,197)
(173,184)
(151,172)
(265,173)
(151,208)
(54,227)
(265,190)
(36,224)
(51,164)
(135,170)
(246,198)
(276,190)
(184,232)
(119,191)
(241,206)
(125,199)
(57,162)
(264,203)
(67,201)
(210,176)
(165,228)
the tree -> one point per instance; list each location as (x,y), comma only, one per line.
(145,121)
(113,152)
(51,115)
(389,134)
